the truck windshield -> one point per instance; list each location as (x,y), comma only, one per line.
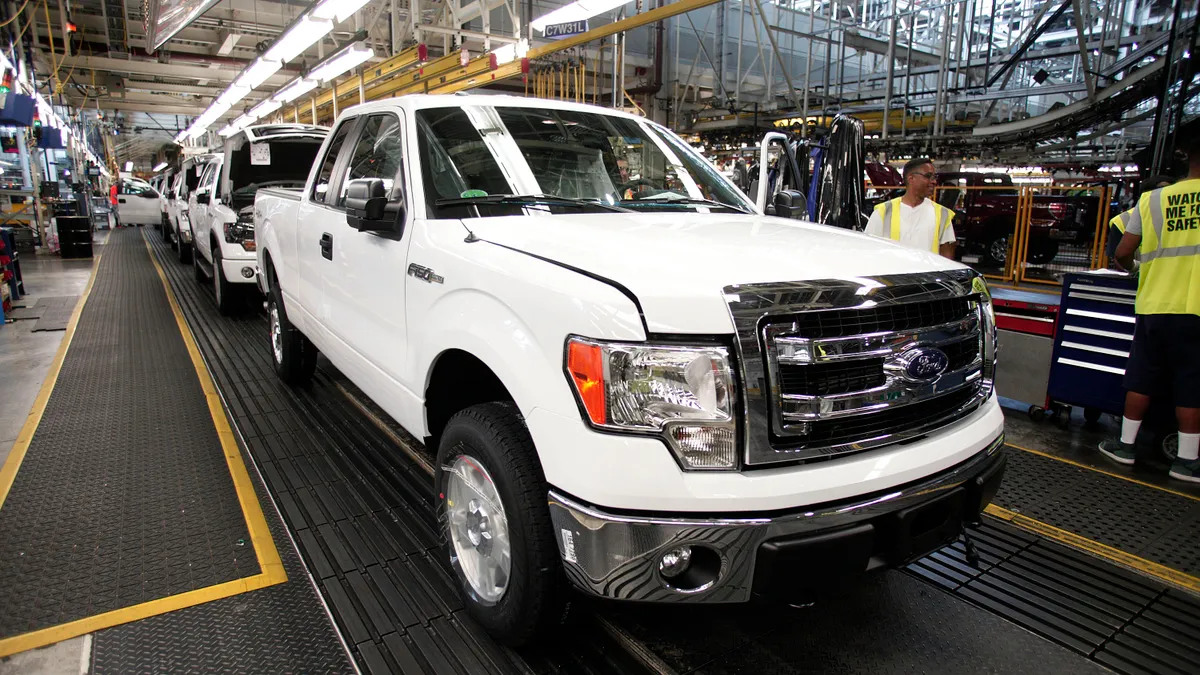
(568,154)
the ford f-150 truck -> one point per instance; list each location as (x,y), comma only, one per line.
(632,379)
(222,217)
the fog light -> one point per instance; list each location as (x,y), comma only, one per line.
(675,562)
(248,272)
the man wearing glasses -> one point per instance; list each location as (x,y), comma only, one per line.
(914,219)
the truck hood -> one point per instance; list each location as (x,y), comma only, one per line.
(678,265)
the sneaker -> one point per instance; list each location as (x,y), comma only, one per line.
(1184,469)
(1114,449)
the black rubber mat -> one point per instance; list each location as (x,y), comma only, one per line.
(359,510)
(279,629)
(1127,621)
(1154,524)
(124,495)
(892,623)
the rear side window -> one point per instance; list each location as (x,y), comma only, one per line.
(377,154)
(321,184)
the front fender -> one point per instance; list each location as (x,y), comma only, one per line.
(483,326)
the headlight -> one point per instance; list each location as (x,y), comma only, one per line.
(241,232)
(683,394)
(987,330)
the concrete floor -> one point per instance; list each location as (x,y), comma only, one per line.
(25,358)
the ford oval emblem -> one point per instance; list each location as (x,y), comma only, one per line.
(924,363)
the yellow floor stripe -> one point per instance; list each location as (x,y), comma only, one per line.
(1161,572)
(264,546)
(8,473)
(1089,467)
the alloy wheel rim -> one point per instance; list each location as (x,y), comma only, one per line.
(999,249)
(479,533)
(276,334)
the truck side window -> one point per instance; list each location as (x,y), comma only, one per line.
(376,154)
(321,184)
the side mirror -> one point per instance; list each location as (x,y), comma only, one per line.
(791,204)
(368,209)
(202,197)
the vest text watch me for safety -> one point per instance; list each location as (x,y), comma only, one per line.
(1170,250)
(889,211)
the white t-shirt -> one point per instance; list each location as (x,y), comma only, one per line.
(917,226)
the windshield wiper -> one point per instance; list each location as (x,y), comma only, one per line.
(684,200)
(549,200)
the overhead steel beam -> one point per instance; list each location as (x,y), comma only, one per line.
(157,69)
(1039,28)
(862,42)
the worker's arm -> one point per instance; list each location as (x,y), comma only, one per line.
(948,242)
(1125,250)
(874,225)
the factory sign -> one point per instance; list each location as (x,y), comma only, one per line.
(562,30)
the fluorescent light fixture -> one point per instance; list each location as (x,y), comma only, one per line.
(294,90)
(340,9)
(576,11)
(299,37)
(233,94)
(129,166)
(229,130)
(245,120)
(265,108)
(257,73)
(342,61)
(512,51)
(160,166)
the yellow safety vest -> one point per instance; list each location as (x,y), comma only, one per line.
(1121,220)
(1169,282)
(889,211)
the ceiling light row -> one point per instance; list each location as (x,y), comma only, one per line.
(347,58)
(299,36)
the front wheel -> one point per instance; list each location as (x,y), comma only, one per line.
(294,356)
(497,526)
(226,294)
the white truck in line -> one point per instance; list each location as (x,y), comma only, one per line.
(221,208)
(632,378)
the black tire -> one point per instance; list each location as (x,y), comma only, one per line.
(1091,415)
(536,599)
(185,252)
(1042,252)
(295,358)
(169,235)
(1037,413)
(197,268)
(225,293)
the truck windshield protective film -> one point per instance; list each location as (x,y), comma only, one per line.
(566,154)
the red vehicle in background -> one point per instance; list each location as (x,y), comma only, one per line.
(986,218)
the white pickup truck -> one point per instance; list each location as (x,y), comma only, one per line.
(632,378)
(221,210)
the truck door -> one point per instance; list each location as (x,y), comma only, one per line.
(366,292)
(317,221)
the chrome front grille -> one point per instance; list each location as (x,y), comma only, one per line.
(839,366)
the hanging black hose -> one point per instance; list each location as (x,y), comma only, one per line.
(841,191)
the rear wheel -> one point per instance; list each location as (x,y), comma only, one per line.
(498,532)
(1042,252)
(294,356)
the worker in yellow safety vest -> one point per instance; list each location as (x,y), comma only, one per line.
(1164,359)
(914,219)
(1118,223)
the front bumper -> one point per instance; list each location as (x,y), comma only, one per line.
(616,556)
(236,270)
